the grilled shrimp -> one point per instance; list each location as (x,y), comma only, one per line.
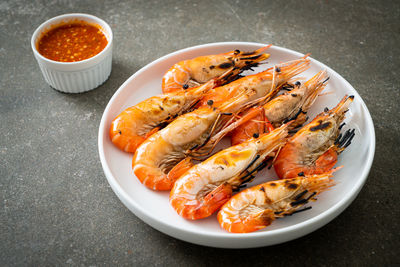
(135,124)
(196,71)
(289,106)
(257,207)
(204,188)
(315,147)
(272,77)
(195,133)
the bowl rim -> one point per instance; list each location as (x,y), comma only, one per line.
(331,213)
(81,16)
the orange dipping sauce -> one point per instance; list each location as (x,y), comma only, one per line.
(72,42)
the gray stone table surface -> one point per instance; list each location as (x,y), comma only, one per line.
(56,205)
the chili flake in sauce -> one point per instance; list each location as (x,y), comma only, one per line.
(72,42)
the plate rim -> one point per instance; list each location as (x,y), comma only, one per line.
(328,214)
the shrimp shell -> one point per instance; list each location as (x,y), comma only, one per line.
(196,71)
(257,207)
(270,78)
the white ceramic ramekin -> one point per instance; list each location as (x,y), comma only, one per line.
(80,76)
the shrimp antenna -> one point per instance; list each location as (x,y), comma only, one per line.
(242,97)
(209,137)
(227,128)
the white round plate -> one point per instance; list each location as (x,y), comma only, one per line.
(153,207)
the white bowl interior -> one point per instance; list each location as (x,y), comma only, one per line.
(153,207)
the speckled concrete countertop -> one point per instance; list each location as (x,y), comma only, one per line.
(56,205)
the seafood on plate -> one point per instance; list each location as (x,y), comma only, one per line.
(257,207)
(135,124)
(205,187)
(290,106)
(194,134)
(194,72)
(315,147)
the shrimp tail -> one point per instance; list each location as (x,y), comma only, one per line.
(179,169)
(127,143)
(153,131)
(217,197)
(205,207)
(256,221)
(159,182)
(250,223)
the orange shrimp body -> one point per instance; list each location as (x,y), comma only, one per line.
(196,71)
(315,147)
(205,187)
(253,128)
(289,106)
(257,207)
(269,78)
(130,128)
